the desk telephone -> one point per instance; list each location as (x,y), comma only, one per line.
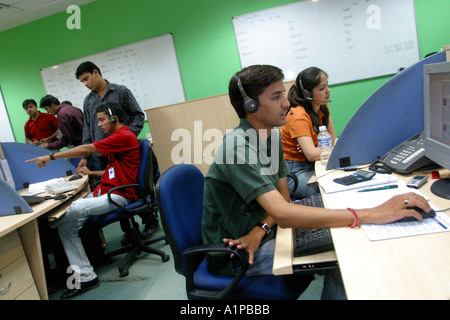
(407,156)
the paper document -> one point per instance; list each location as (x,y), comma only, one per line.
(329,186)
(362,200)
(440,223)
(39,187)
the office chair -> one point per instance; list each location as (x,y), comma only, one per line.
(180,197)
(125,215)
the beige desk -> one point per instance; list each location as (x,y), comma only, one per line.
(415,267)
(21,266)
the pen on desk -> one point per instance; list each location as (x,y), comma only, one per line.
(391,186)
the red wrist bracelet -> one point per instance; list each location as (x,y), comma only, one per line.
(356,221)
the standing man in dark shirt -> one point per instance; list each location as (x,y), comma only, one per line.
(103,91)
(70,120)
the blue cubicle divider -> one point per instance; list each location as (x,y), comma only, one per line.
(391,115)
(18,153)
(11,201)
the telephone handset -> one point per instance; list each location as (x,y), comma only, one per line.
(407,156)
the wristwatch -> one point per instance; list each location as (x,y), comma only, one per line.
(265,227)
(51,156)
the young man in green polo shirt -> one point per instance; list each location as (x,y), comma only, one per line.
(246,190)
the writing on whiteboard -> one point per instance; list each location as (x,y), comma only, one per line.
(149,68)
(350,39)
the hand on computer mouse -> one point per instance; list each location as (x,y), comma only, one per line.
(424,215)
(75,177)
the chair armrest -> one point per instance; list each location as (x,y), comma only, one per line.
(191,253)
(116,188)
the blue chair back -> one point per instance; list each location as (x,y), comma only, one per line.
(180,197)
(144,176)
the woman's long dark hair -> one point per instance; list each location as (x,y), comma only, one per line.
(308,79)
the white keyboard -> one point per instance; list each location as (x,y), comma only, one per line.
(59,187)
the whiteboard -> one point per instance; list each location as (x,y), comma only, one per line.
(6,133)
(149,68)
(348,39)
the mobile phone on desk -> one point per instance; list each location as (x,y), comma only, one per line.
(417,181)
(358,176)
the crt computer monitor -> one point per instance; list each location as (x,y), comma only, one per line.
(437,121)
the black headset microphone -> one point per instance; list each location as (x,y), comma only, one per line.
(323,101)
(112,119)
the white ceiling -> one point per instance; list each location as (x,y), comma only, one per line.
(14,13)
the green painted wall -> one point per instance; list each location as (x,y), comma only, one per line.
(204,40)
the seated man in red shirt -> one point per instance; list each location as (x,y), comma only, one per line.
(40,127)
(122,150)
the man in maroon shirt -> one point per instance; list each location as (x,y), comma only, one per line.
(40,127)
(70,120)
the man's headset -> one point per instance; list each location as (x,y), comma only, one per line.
(112,119)
(250,105)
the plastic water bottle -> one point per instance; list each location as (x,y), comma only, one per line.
(325,144)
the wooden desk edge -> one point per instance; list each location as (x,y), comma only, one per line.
(61,210)
(284,261)
(26,225)
(57,208)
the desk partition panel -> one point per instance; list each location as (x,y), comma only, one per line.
(23,173)
(11,202)
(391,115)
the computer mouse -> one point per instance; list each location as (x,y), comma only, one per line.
(75,177)
(424,214)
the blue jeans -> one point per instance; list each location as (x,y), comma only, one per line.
(74,219)
(303,171)
(333,287)
(263,260)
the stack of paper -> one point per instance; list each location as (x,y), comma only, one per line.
(329,186)
(360,200)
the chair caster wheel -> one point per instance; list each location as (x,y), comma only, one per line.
(165,258)
(123,274)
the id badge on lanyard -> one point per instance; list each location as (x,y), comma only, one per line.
(112,173)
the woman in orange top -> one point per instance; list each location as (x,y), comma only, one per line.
(309,97)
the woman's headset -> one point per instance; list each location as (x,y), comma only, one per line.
(308,95)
